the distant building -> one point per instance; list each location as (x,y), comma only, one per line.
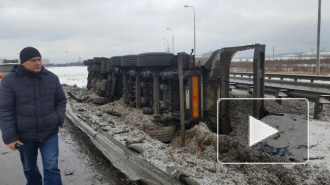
(7,61)
(17,61)
(13,61)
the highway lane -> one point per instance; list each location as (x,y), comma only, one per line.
(79,161)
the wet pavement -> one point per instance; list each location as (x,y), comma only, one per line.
(79,161)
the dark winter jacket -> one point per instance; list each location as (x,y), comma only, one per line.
(32,105)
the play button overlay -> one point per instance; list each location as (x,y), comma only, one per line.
(278,136)
(259,131)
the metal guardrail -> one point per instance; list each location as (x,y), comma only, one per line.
(133,166)
(317,93)
(285,76)
(314,88)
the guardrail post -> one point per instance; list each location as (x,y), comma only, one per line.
(316,107)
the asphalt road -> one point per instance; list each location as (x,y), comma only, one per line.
(79,161)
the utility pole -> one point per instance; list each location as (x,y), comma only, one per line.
(186,6)
(172,38)
(318,41)
(168,46)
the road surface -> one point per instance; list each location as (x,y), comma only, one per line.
(79,161)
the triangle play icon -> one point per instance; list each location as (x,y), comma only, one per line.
(259,131)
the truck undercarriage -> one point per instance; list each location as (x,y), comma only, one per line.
(176,89)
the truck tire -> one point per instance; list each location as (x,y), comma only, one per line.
(155,59)
(115,61)
(89,69)
(97,60)
(129,60)
(163,134)
(96,65)
(96,68)
(88,62)
(109,67)
(104,65)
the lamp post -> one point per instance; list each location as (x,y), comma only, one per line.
(168,47)
(186,6)
(318,40)
(172,39)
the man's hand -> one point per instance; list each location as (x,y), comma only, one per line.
(13,144)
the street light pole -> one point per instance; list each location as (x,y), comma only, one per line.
(186,6)
(318,41)
(172,39)
(168,46)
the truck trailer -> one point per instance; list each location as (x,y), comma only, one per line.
(176,89)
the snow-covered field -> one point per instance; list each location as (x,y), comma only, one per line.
(73,75)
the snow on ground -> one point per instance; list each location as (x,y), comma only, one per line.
(319,142)
(71,75)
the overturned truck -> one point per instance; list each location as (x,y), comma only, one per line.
(176,89)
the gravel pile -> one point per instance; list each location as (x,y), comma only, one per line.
(198,157)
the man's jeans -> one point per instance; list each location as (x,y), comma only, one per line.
(49,155)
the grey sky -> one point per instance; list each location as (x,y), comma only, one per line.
(107,28)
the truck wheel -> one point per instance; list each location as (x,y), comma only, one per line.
(129,60)
(157,59)
(104,65)
(96,65)
(163,134)
(115,61)
(97,60)
(96,68)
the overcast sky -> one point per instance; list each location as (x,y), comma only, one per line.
(108,28)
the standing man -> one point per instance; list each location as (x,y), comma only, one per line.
(32,107)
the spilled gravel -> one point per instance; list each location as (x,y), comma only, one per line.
(198,158)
